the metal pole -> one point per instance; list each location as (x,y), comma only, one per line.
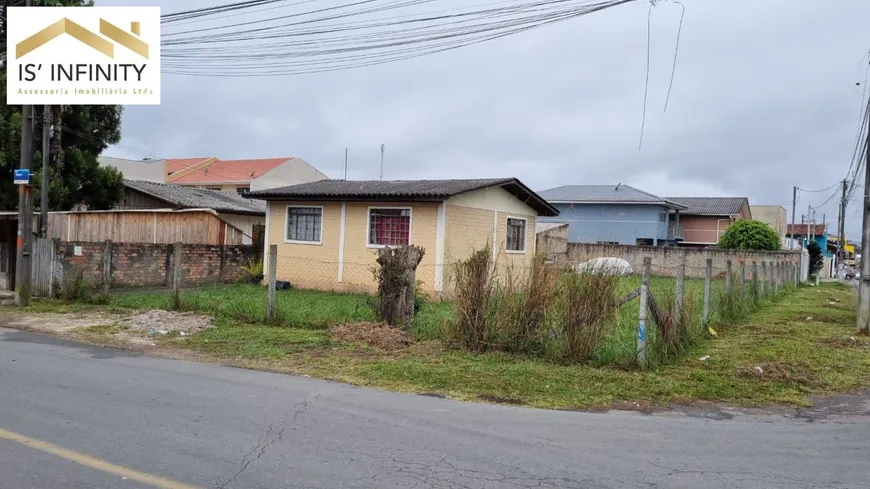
(273,273)
(43,201)
(793,210)
(382,161)
(864,288)
(345,163)
(642,313)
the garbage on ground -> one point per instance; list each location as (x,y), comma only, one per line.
(758,369)
(704,358)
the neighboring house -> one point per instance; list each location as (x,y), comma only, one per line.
(551,239)
(236,176)
(241,176)
(806,232)
(615,214)
(148,170)
(328,232)
(705,219)
(774,216)
(247,215)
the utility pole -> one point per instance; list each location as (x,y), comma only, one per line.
(864,287)
(793,210)
(345,163)
(810,223)
(382,161)
(43,201)
(841,226)
(25,212)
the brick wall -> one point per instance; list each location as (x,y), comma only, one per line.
(665,260)
(151,265)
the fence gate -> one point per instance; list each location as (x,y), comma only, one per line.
(44,267)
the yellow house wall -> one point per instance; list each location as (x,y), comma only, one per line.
(317,265)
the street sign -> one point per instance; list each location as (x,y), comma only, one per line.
(21,177)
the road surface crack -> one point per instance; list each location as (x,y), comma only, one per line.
(266,440)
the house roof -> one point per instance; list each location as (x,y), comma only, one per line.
(197,198)
(805,229)
(711,206)
(596,194)
(235,171)
(175,165)
(402,190)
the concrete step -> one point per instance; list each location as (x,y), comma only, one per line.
(7,298)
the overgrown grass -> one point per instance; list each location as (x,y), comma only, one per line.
(803,344)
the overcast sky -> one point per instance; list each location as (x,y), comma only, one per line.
(764,98)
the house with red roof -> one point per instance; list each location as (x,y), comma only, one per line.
(212,173)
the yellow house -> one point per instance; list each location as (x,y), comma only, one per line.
(328,232)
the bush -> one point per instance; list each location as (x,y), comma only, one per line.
(74,288)
(473,290)
(254,270)
(750,235)
(589,306)
(817,260)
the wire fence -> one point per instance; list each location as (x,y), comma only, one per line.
(609,313)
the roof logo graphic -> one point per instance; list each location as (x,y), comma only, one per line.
(66,26)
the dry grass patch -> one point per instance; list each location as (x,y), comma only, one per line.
(377,335)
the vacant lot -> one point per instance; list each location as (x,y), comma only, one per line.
(793,347)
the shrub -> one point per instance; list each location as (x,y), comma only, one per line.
(74,288)
(473,290)
(521,304)
(254,270)
(588,308)
(749,235)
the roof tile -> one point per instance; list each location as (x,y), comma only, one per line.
(711,206)
(231,171)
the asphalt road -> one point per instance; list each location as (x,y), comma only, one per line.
(75,416)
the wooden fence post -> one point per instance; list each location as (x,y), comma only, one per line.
(755,286)
(642,313)
(796,272)
(728,278)
(742,279)
(776,278)
(223,264)
(681,280)
(107,267)
(273,272)
(708,281)
(176,275)
(764,279)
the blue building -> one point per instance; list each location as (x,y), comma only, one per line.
(805,232)
(615,214)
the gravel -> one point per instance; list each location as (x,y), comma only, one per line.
(159,320)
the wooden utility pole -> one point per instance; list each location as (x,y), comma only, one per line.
(793,210)
(43,201)
(864,287)
(841,227)
(24,244)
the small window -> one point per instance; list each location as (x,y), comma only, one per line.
(304,224)
(389,227)
(663,216)
(607,242)
(243,190)
(515,239)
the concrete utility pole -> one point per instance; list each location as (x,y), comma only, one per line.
(382,162)
(793,210)
(811,221)
(841,227)
(864,288)
(43,201)
(23,245)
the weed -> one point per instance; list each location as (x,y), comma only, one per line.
(473,289)
(589,307)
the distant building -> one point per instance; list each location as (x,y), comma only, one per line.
(615,214)
(774,216)
(705,219)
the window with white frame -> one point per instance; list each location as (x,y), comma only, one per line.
(389,226)
(515,237)
(304,224)
(663,216)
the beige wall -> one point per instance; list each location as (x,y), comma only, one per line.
(703,229)
(344,261)
(148,170)
(293,172)
(772,215)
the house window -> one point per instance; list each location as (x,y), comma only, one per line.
(663,216)
(304,224)
(515,237)
(213,188)
(389,226)
(243,190)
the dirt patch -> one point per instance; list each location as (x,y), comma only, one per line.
(818,318)
(861,342)
(773,371)
(500,399)
(164,322)
(373,334)
(56,323)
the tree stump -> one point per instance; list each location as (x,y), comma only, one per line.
(397,279)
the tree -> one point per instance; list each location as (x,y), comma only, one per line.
(750,235)
(81,133)
(817,261)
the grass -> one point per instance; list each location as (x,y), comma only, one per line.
(796,346)
(798,357)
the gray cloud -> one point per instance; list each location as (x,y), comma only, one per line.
(764,98)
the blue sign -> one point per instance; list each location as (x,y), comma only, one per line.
(21,177)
